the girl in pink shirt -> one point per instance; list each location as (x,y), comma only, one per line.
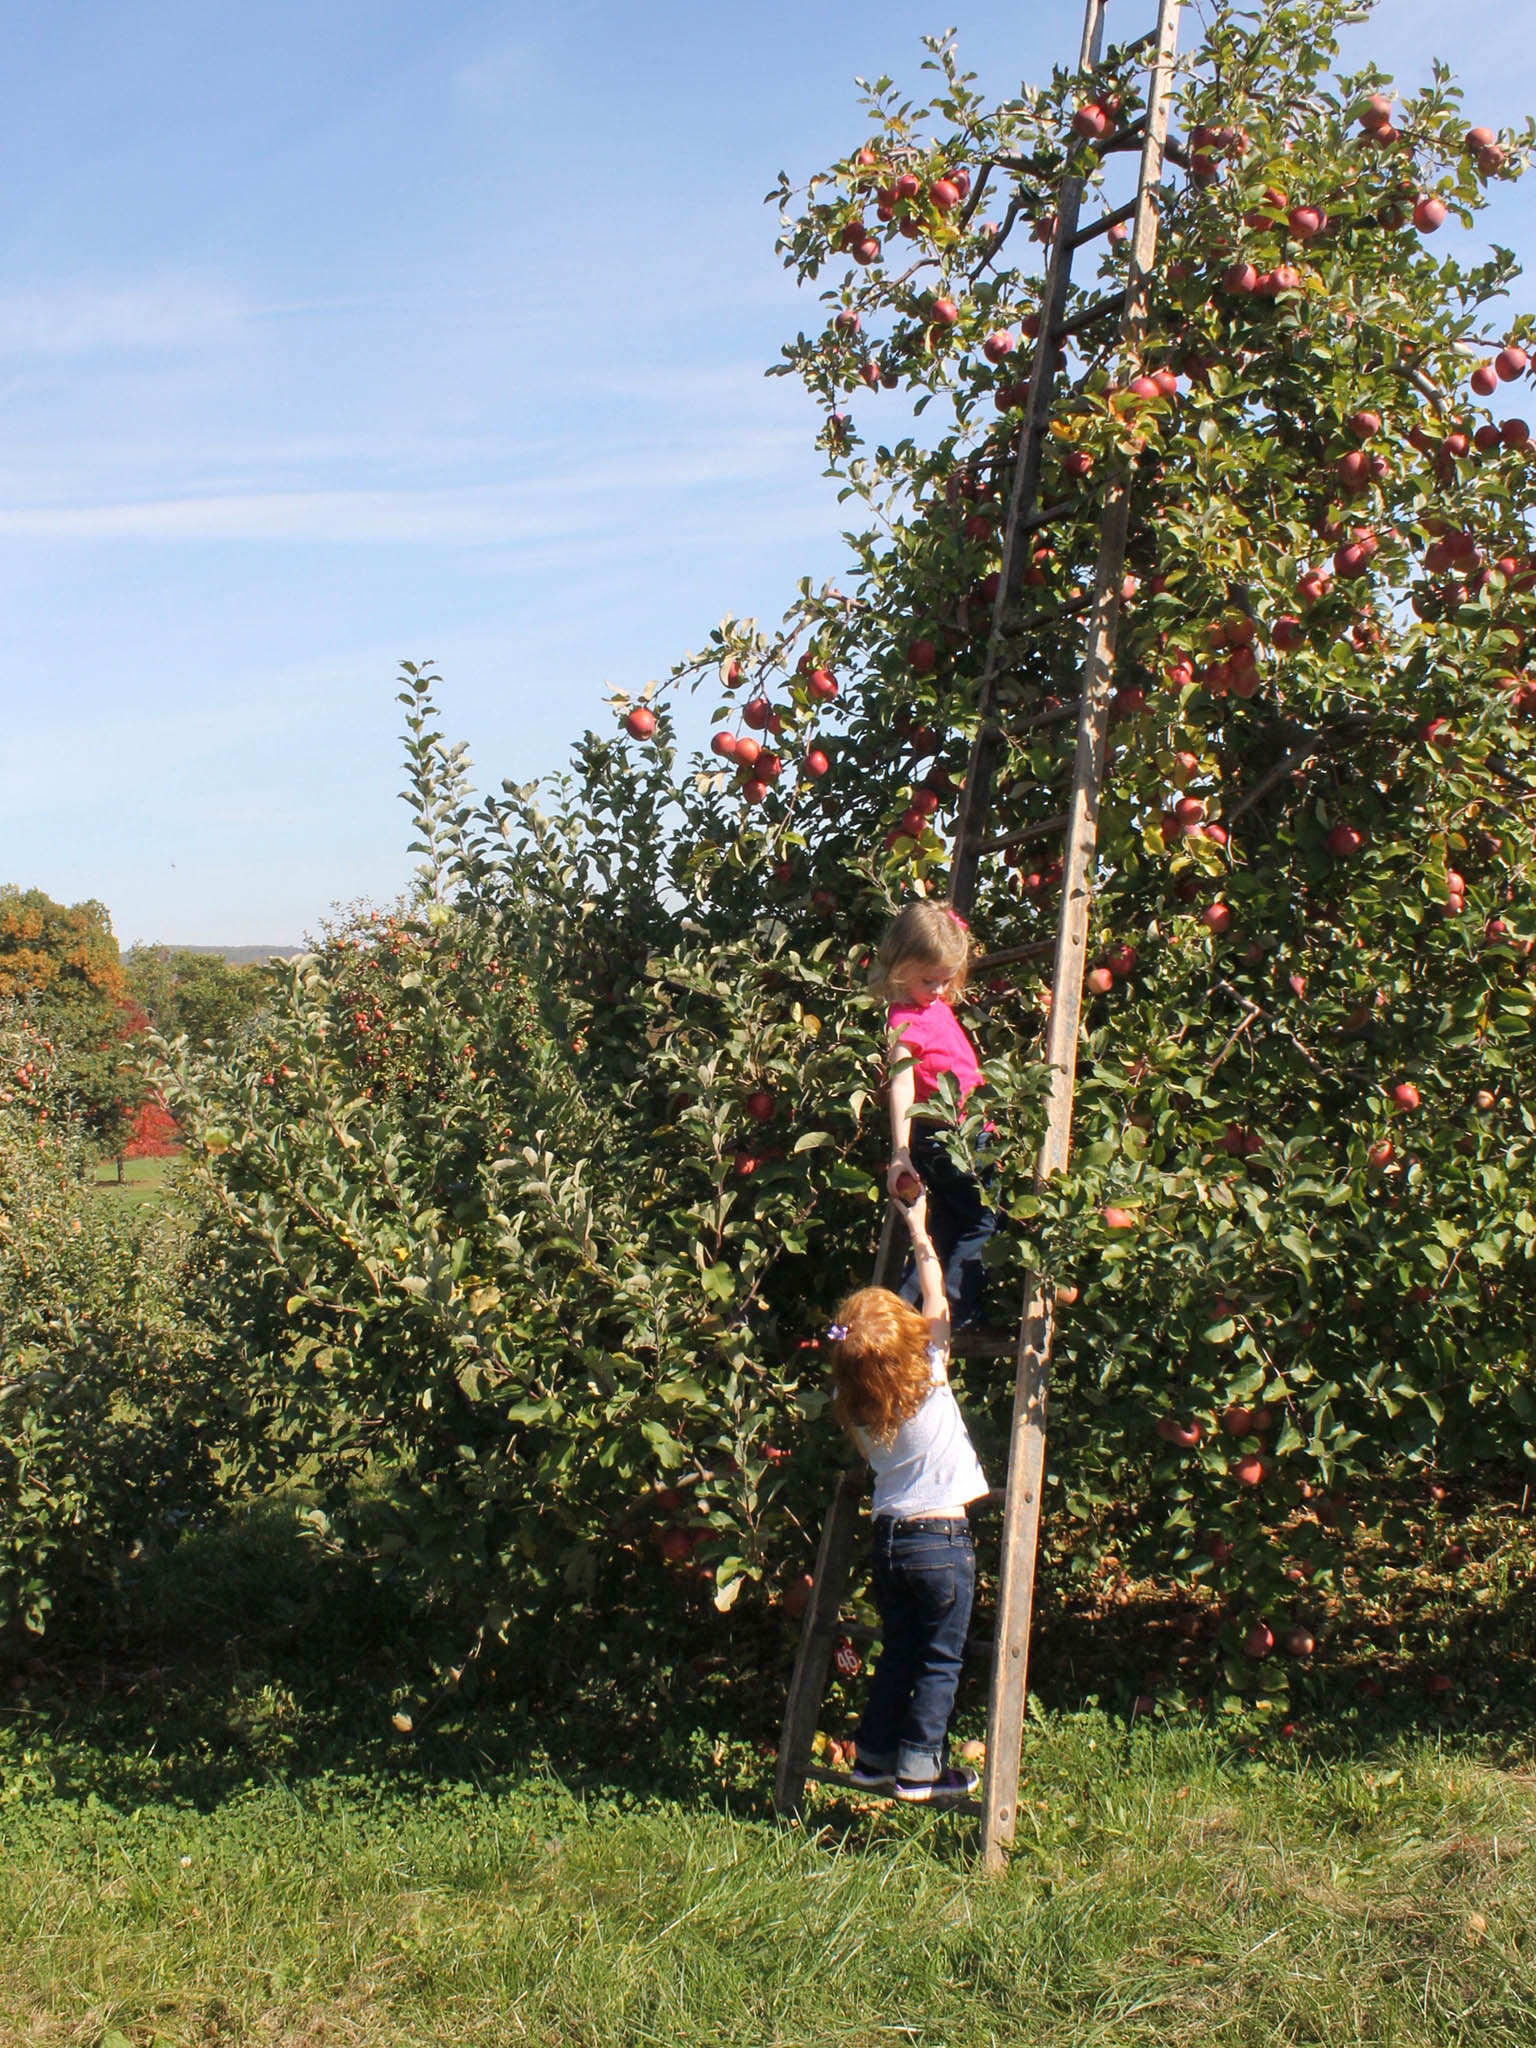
(922,965)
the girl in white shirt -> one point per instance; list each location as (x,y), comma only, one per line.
(891,1393)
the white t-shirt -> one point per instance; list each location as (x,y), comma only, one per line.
(929,1464)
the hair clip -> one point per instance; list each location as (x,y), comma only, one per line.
(955,918)
(836,1332)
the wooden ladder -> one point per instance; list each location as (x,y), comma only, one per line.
(1032,1348)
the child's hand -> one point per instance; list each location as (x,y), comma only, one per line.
(915,1213)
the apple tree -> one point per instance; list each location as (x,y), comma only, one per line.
(549,1179)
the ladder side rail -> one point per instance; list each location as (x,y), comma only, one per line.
(1026,1461)
(1024,489)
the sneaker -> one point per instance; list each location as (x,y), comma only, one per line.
(956,1781)
(868,1778)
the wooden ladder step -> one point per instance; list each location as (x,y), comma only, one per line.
(862,1633)
(1047,515)
(1014,956)
(825,1777)
(1095,309)
(1025,835)
(984,1343)
(1102,226)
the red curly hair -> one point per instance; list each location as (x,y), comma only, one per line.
(880,1370)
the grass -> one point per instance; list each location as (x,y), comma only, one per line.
(212,1832)
(144,1180)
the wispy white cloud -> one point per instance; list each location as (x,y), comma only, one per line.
(73,321)
(533,506)
(497,77)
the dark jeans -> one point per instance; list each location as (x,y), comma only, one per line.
(959,1222)
(925,1575)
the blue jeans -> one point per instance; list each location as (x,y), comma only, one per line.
(925,1576)
(959,1222)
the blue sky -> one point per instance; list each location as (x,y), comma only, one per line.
(332,334)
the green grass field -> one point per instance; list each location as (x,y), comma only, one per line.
(211,1831)
(143,1179)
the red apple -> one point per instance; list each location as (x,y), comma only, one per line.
(1288,633)
(1306,221)
(922,655)
(1184,1434)
(675,1544)
(724,744)
(822,684)
(1100,980)
(747,750)
(1515,433)
(945,312)
(1299,1642)
(754,791)
(1484,380)
(797,1595)
(1382,1153)
(1344,840)
(1092,122)
(1428,213)
(1259,1641)
(760,1105)
(1217,918)
(1119,1219)
(1249,1469)
(640,723)
(997,346)
(944,195)
(847,322)
(1510,363)
(1241,279)
(1237,1420)
(816,763)
(1077,462)
(1405,1095)
(756,712)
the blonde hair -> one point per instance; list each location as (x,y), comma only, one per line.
(924,934)
(879,1364)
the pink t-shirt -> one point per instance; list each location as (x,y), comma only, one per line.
(935,1038)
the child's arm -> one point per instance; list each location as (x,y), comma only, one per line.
(930,1273)
(902,1094)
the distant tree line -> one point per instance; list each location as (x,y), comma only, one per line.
(61,966)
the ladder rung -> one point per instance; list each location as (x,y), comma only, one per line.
(1048,828)
(1107,302)
(1056,614)
(1104,223)
(984,1343)
(862,1633)
(1126,137)
(1046,515)
(1059,715)
(1141,42)
(1176,152)
(825,1777)
(1012,956)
